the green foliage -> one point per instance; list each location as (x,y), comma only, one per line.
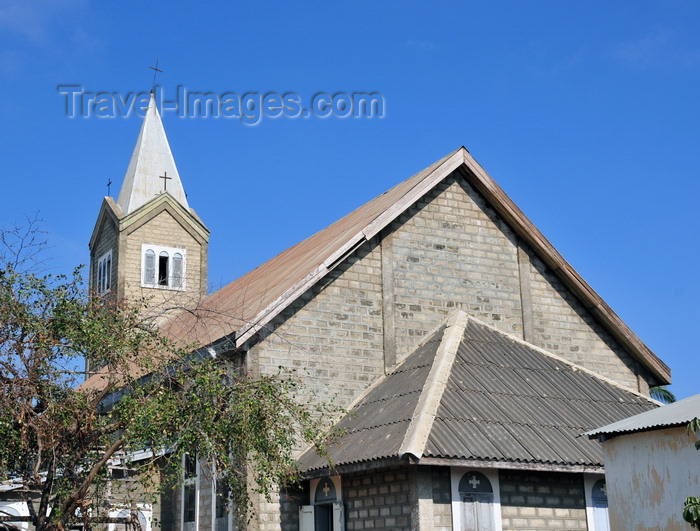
(691,511)
(151,398)
(662,394)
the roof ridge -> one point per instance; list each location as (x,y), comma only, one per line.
(429,401)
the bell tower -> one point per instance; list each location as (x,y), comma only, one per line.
(149,244)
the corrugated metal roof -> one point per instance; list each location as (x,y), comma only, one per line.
(238,310)
(677,414)
(504,400)
(376,426)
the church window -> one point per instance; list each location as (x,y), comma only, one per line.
(327,511)
(177,270)
(163,267)
(476,504)
(596,503)
(149,267)
(223,517)
(190,493)
(144,515)
(104,273)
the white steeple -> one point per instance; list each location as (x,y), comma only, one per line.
(152,169)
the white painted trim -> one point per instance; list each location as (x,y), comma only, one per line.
(17,507)
(171,251)
(426,409)
(214,497)
(588,481)
(456,474)
(106,277)
(143,508)
(186,482)
(313,484)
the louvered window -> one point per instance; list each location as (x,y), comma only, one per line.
(177,270)
(163,267)
(104,273)
(149,267)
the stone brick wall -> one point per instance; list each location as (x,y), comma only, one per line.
(291,499)
(442,499)
(161,230)
(537,501)
(378,500)
(449,250)
(564,327)
(332,335)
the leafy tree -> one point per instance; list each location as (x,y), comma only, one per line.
(662,394)
(151,397)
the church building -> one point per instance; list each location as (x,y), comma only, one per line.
(467,352)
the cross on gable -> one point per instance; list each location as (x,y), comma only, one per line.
(165,180)
(474,481)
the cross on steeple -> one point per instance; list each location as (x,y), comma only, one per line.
(109,187)
(155,73)
(165,180)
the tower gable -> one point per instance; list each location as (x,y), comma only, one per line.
(149,244)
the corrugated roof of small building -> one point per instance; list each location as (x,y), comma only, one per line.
(504,401)
(671,415)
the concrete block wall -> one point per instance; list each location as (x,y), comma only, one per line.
(333,334)
(562,326)
(291,499)
(162,230)
(442,499)
(539,501)
(449,250)
(378,500)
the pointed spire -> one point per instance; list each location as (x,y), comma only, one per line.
(152,169)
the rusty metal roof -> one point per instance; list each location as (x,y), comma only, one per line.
(504,400)
(231,316)
(238,310)
(671,415)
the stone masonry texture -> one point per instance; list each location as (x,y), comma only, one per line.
(538,501)
(442,499)
(378,500)
(449,250)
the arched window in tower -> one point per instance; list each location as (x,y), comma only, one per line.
(476,494)
(163,267)
(104,273)
(177,270)
(149,267)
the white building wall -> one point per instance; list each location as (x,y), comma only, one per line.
(648,477)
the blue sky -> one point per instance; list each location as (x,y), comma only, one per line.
(587,114)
